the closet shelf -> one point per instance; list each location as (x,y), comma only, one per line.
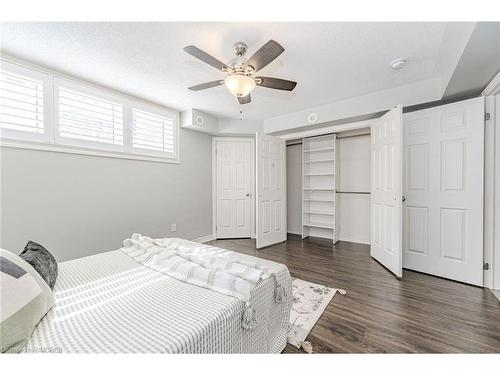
(320,149)
(319,187)
(319,213)
(318,174)
(318,161)
(325,226)
(353,192)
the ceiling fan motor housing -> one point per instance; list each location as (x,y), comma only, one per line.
(239,63)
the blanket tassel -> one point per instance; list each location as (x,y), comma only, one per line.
(279,291)
(307,346)
(248,319)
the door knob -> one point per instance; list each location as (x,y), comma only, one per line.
(403,198)
(248,194)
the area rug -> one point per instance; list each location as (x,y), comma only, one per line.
(309,302)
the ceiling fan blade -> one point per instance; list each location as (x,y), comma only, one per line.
(267,53)
(205,57)
(276,83)
(244,99)
(207,85)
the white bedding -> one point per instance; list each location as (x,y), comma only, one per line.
(111,303)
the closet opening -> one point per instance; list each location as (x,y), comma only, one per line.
(328,186)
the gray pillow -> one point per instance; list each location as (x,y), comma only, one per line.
(42,261)
(24,300)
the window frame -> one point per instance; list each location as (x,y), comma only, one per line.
(50,140)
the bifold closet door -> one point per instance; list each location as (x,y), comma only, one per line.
(386,191)
(270,190)
(443,185)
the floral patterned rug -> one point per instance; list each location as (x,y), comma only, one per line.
(309,302)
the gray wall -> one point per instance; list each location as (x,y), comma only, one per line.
(479,63)
(78,205)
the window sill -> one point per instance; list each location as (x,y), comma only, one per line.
(85,151)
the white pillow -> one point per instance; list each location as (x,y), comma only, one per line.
(25,298)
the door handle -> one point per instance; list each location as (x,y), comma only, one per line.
(403,198)
(248,195)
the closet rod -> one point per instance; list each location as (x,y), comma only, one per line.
(351,135)
(353,192)
(299,141)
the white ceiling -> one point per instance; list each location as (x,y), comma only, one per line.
(330,61)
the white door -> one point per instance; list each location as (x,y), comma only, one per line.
(386,190)
(234,187)
(443,186)
(271,190)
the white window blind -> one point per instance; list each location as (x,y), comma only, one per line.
(153,132)
(89,118)
(21,103)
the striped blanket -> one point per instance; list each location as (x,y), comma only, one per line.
(202,265)
(206,266)
(110,303)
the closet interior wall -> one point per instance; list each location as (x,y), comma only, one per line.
(353,187)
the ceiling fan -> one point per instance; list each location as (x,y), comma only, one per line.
(240,80)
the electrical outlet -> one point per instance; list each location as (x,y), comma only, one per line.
(173,228)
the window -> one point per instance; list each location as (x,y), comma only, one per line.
(43,111)
(23,102)
(89,118)
(153,132)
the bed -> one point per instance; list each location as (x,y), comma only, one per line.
(110,303)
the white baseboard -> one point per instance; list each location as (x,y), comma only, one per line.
(496,293)
(356,240)
(204,239)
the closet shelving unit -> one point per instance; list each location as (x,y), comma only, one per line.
(318,187)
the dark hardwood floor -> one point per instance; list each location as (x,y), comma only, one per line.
(379,313)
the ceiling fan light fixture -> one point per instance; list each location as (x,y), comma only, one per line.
(240,85)
(240,80)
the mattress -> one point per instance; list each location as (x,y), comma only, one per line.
(109,303)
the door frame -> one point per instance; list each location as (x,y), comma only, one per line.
(495,266)
(492,185)
(214,181)
(491,203)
